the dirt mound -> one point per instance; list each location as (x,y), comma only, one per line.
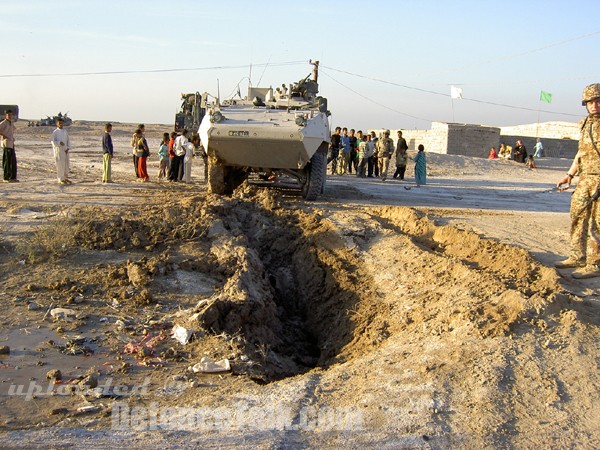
(300,290)
(502,283)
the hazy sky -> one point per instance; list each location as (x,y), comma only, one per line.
(384,63)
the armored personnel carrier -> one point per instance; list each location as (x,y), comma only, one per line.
(193,108)
(50,121)
(277,135)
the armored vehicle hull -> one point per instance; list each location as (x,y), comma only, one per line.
(273,135)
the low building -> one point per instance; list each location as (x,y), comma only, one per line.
(560,139)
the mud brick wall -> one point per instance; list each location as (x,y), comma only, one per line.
(463,139)
(548,130)
(451,138)
(555,148)
(413,138)
(560,139)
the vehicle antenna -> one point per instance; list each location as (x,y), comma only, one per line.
(218,92)
(263,72)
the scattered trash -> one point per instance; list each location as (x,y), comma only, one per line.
(88,409)
(62,313)
(48,311)
(54,374)
(107,392)
(181,334)
(89,382)
(73,346)
(144,347)
(208,365)
(33,306)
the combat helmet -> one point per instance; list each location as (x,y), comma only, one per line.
(386,132)
(590,93)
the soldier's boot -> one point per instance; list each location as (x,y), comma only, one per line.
(569,263)
(589,271)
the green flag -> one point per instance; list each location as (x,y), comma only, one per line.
(545,97)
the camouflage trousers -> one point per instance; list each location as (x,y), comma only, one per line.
(585,222)
(342,164)
(384,163)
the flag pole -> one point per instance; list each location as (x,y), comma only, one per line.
(452,100)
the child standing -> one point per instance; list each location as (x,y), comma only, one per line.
(142,152)
(163,157)
(420,166)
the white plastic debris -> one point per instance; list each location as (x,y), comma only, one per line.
(181,334)
(208,365)
(64,313)
(88,409)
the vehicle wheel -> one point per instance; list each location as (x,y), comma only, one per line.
(223,180)
(216,177)
(316,171)
(234,177)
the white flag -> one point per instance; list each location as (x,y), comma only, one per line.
(455,92)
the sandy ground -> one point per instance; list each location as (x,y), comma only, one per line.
(381,315)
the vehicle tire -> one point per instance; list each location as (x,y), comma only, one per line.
(234,177)
(223,180)
(316,171)
(216,177)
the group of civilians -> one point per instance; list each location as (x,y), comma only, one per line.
(518,153)
(175,155)
(369,155)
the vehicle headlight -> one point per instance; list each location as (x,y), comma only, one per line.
(300,120)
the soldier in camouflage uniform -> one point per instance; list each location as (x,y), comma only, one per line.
(585,207)
(385,148)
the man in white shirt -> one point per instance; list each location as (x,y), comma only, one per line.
(177,163)
(61,146)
